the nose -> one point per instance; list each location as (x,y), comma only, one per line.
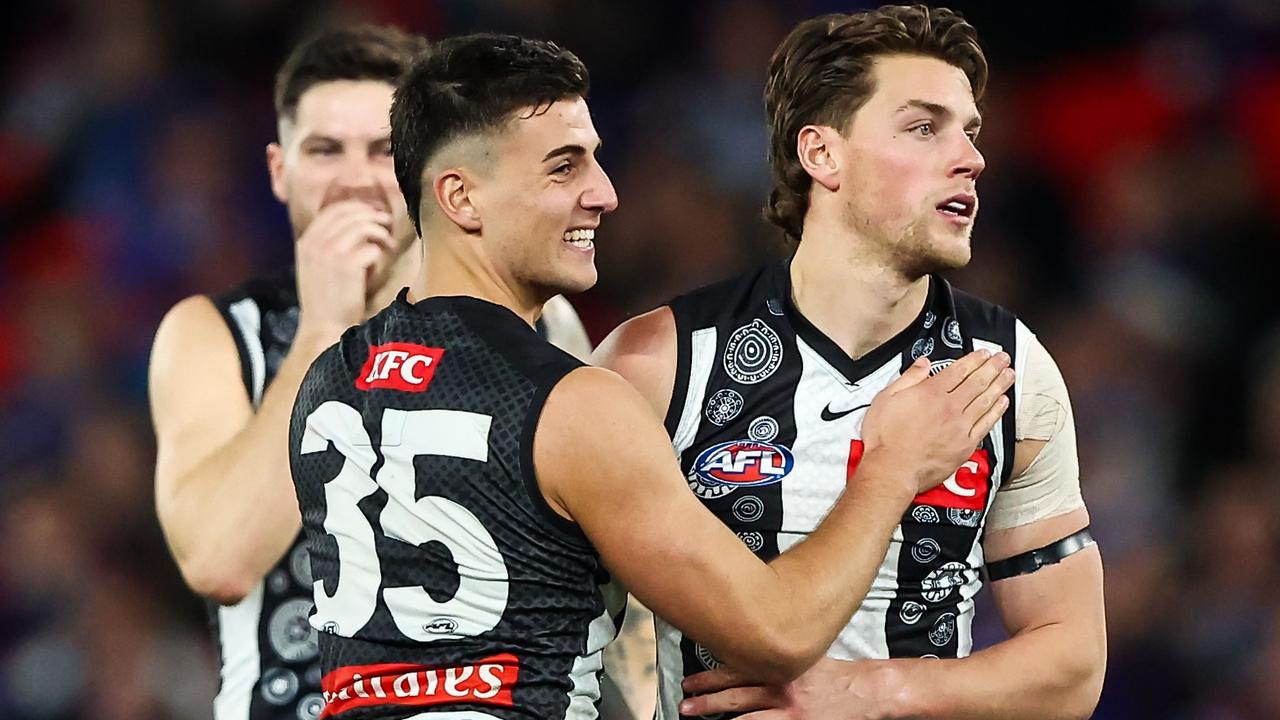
(970,162)
(600,195)
(357,170)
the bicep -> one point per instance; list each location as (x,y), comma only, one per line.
(198,400)
(621,484)
(1069,591)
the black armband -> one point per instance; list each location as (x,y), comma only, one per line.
(1032,560)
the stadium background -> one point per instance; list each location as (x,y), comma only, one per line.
(1128,214)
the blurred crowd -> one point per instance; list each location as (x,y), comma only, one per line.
(1127,216)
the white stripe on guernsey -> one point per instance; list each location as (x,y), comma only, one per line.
(702,358)
(238,636)
(249,319)
(1022,345)
(964,621)
(819,479)
(670,670)
(585,673)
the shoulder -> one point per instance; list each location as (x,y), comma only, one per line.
(191,327)
(644,351)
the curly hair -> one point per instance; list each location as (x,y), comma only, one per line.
(821,74)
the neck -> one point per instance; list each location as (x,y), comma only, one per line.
(404,270)
(451,269)
(855,299)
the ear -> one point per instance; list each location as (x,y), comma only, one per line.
(452,190)
(275,168)
(815,145)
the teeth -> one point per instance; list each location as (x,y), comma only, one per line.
(956,206)
(582,238)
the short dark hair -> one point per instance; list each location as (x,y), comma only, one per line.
(821,75)
(363,52)
(470,85)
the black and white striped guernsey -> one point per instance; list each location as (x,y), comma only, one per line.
(766,416)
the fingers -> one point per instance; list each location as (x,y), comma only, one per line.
(914,374)
(989,419)
(989,395)
(980,379)
(954,374)
(344,224)
(712,680)
(738,699)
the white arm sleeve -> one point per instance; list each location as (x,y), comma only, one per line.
(1050,485)
(564,328)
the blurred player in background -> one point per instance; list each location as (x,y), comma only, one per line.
(873,123)
(225,369)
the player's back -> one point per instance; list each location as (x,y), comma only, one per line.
(444,582)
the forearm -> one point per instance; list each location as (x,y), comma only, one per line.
(1054,671)
(825,578)
(231,516)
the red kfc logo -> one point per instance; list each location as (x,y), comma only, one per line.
(966,489)
(399,366)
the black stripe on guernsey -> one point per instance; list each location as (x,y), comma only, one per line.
(972,312)
(925,616)
(754,513)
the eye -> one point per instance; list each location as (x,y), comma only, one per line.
(973,136)
(923,129)
(322,150)
(563,168)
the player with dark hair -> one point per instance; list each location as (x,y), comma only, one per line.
(873,121)
(468,490)
(225,370)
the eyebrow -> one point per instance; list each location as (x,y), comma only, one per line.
(941,111)
(571,149)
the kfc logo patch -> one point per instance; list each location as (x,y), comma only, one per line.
(966,489)
(399,366)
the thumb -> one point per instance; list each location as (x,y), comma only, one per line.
(917,372)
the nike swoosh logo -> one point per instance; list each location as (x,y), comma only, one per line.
(829,416)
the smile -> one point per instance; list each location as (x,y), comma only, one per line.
(582,239)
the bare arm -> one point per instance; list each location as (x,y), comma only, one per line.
(223,492)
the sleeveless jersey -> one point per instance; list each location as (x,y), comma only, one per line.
(270,669)
(445,586)
(766,416)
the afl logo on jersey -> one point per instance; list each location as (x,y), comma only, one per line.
(744,463)
(399,366)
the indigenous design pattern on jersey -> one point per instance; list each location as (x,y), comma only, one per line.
(270,666)
(444,582)
(772,460)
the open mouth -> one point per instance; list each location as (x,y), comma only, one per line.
(582,238)
(959,206)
